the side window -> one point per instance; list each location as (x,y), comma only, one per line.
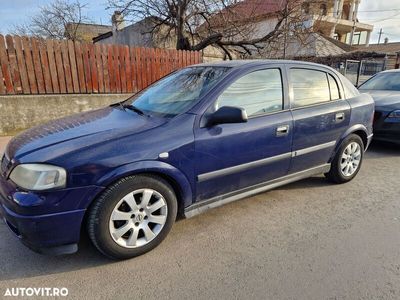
(335,94)
(258,92)
(309,87)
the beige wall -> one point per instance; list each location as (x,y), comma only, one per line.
(18,113)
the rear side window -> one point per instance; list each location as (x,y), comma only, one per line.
(309,87)
(258,93)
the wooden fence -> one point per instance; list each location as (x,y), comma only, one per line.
(35,66)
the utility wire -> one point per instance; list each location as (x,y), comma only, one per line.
(380,10)
(382,19)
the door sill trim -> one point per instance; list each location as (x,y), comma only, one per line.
(204,205)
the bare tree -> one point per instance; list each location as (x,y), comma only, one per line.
(227,24)
(58,19)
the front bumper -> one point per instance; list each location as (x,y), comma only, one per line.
(388,133)
(386,130)
(54,234)
(48,222)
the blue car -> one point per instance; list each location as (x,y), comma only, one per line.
(384,87)
(200,137)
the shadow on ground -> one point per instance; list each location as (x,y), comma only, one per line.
(17,261)
(379,149)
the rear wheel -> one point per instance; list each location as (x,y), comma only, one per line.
(132,216)
(347,161)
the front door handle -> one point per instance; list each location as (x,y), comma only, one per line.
(282,130)
(339,117)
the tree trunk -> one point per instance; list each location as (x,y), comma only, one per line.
(182,42)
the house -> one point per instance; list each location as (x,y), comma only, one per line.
(142,34)
(392,51)
(338,19)
(360,62)
(85,32)
(137,34)
(326,21)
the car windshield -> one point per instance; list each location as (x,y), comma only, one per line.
(177,92)
(383,81)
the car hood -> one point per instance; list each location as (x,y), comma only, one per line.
(386,98)
(81,130)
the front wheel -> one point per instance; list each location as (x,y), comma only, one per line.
(347,161)
(132,216)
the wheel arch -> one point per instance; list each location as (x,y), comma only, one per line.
(359,130)
(172,175)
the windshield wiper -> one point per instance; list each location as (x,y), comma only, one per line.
(135,109)
(118,104)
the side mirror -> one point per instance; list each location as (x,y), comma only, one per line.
(227,115)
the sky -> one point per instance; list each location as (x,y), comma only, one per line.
(382,14)
(18,11)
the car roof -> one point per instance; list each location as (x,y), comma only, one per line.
(257,62)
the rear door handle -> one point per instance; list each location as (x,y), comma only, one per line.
(339,117)
(282,130)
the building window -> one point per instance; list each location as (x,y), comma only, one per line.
(324,10)
(356,38)
(305,7)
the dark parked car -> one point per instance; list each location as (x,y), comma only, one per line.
(201,137)
(384,87)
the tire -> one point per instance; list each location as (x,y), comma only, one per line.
(121,225)
(347,161)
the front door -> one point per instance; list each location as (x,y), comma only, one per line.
(231,157)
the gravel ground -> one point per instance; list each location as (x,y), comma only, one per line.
(307,240)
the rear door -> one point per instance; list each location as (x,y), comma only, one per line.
(231,157)
(320,114)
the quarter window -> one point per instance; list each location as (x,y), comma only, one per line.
(258,93)
(309,87)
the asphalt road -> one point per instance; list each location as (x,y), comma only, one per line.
(308,240)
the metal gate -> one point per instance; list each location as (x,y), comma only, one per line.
(358,71)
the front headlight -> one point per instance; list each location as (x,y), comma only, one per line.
(394,114)
(39,177)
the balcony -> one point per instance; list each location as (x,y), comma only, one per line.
(341,25)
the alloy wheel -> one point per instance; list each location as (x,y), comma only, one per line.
(350,160)
(138,218)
